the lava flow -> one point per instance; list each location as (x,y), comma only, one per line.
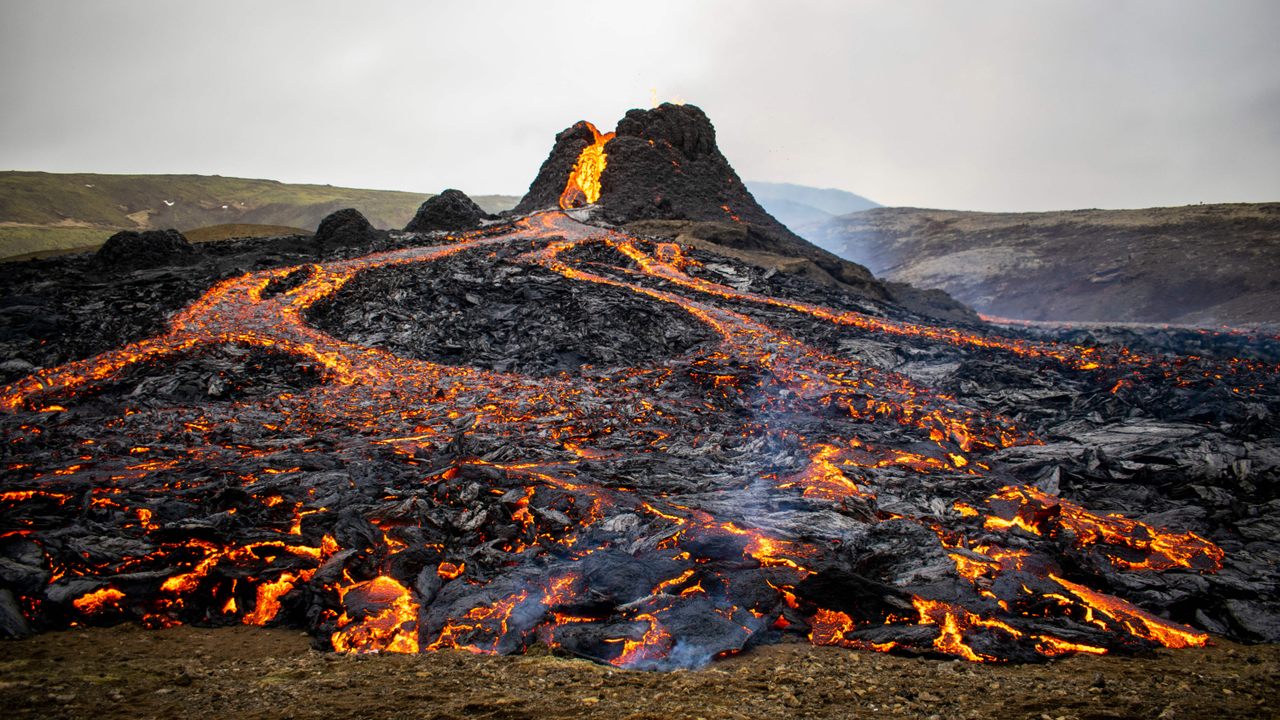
(753,483)
(583,186)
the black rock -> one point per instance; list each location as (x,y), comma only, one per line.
(12,622)
(554,173)
(450,210)
(132,250)
(479,313)
(663,164)
(344,228)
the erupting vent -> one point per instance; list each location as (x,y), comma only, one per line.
(760,483)
(583,186)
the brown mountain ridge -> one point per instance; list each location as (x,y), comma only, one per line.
(1199,264)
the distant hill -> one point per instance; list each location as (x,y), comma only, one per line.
(40,212)
(210,233)
(795,205)
(1199,264)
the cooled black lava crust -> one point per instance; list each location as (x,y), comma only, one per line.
(481,312)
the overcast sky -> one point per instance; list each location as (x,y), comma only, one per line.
(1010,105)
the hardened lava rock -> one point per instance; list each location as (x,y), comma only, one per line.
(547,186)
(130,250)
(732,465)
(344,228)
(664,164)
(450,210)
(493,313)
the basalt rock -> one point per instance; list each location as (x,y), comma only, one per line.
(642,455)
(664,165)
(130,250)
(450,210)
(554,173)
(343,228)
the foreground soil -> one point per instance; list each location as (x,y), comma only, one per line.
(126,672)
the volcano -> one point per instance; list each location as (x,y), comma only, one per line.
(554,430)
(664,164)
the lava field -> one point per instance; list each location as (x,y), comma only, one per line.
(551,432)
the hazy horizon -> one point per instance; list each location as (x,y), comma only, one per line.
(1000,105)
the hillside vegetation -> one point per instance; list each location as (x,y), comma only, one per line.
(210,233)
(41,212)
(1198,264)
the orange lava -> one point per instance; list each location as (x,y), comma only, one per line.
(405,406)
(391,628)
(1152,548)
(583,186)
(1135,620)
(98,600)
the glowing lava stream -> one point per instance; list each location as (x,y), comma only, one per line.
(241,311)
(583,186)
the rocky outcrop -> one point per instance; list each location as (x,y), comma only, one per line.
(450,210)
(554,173)
(343,228)
(664,164)
(749,245)
(130,250)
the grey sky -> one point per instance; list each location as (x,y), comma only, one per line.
(1010,105)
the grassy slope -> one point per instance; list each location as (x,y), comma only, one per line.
(47,211)
(210,233)
(52,241)
(1204,264)
(21,242)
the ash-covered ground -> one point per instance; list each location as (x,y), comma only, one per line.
(548,434)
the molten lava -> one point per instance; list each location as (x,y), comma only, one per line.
(583,186)
(504,563)
(388,622)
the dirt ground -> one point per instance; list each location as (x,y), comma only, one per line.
(125,672)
